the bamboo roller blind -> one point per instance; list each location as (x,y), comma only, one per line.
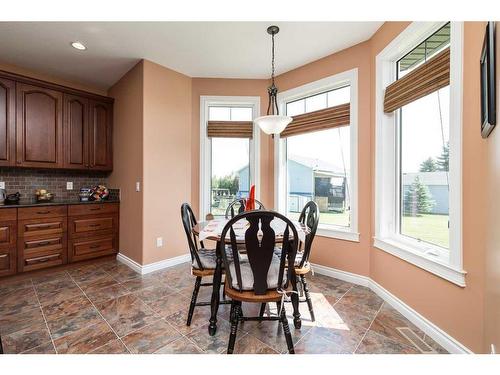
(230,129)
(318,120)
(427,78)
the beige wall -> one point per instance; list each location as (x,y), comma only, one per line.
(492,184)
(167,160)
(128,158)
(458,311)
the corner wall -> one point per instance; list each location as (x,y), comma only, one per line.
(128,158)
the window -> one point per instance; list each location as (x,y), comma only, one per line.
(228,166)
(418,147)
(318,165)
(424,130)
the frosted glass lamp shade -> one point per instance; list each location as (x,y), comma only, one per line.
(272,124)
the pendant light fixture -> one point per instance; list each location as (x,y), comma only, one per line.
(273,123)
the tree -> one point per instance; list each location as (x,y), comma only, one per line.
(444,159)
(418,199)
(230,182)
(428,165)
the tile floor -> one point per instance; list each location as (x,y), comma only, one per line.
(108,308)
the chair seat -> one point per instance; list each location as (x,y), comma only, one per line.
(298,257)
(249,296)
(247,275)
(208,258)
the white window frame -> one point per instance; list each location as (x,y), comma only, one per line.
(206,145)
(387,237)
(347,78)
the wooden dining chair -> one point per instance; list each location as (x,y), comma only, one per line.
(310,218)
(237,206)
(261,277)
(203,260)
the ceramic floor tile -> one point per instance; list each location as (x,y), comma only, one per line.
(138,284)
(249,344)
(343,336)
(150,338)
(107,293)
(85,340)
(69,323)
(180,346)
(314,344)
(213,344)
(153,293)
(126,314)
(373,343)
(113,347)
(271,333)
(18,301)
(172,304)
(25,339)
(98,283)
(13,322)
(354,314)
(12,285)
(47,348)
(87,275)
(48,296)
(51,277)
(58,309)
(363,297)
(201,317)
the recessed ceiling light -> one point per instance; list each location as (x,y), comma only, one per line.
(78,46)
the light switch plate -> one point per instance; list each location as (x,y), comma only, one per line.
(159,241)
(2,185)
(137,186)
(69,185)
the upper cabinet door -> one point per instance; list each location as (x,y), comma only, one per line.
(76,132)
(39,127)
(7,122)
(101,135)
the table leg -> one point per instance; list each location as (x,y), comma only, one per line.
(214,304)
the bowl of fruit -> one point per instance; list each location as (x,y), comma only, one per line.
(42,195)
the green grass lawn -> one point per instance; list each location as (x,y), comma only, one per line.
(332,218)
(429,228)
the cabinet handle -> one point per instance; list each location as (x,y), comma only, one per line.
(42,225)
(95,246)
(44,243)
(4,255)
(43,212)
(95,209)
(42,259)
(94,225)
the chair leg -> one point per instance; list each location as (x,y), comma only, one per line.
(303,281)
(235,316)
(262,310)
(194,297)
(286,331)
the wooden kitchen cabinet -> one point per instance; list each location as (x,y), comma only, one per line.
(44,125)
(7,122)
(8,227)
(39,127)
(76,132)
(101,135)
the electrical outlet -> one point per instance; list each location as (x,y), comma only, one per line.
(2,185)
(493,349)
(159,241)
(69,185)
(137,186)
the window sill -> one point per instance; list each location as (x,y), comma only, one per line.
(426,262)
(339,234)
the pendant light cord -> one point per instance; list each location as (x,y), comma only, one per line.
(272,60)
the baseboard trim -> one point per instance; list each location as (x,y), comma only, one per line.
(432,330)
(151,267)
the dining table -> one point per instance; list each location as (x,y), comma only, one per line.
(212,230)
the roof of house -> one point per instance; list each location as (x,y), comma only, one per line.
(427,178)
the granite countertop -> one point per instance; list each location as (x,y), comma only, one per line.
(33,203)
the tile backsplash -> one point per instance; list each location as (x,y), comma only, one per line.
(26,181)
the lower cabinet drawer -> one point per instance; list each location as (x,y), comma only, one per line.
(41,252)
(93,225)
(8,262)
(41,227)
(86,248)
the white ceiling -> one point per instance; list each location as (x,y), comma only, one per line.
(197,49)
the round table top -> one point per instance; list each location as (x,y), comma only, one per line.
(215,236)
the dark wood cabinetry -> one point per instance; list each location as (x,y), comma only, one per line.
(93,231)
(7,122)
(39,127)
(101,133)
(33,238)
(8,226)
(76,132)
(43,125)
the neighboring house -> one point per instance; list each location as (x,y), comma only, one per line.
(437,182)
(310,179)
